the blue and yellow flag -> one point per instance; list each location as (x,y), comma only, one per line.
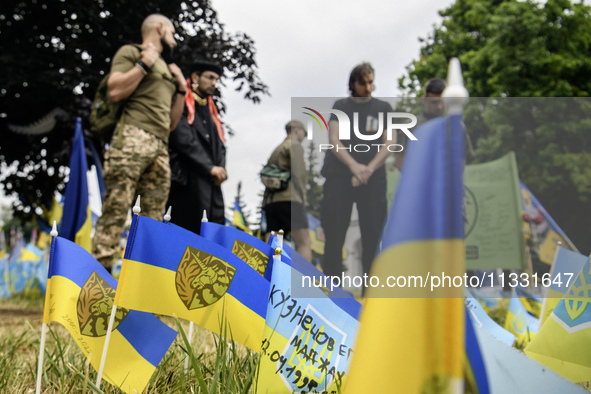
(475,375)
(4,274)
(76,221)
(531,302)
(286,249)
(414,345)
(248,248)
(4,288)
(308,341)
(238,219)
(482,320)
(2,244)
(17,245)
(562,343)
(567,265)
(520,323)
(20,261)
(168,270)
(31,260)
(80,296)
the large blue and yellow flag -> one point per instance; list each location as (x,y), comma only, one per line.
(308,341)
(412,339)
(80,296)
(248,248)
(562,343)
(168,270)
(76,221)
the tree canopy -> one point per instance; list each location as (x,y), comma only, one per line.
(54,53)
(511,48)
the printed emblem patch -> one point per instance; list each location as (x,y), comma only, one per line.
(202,279)
(94,307)
(251,256)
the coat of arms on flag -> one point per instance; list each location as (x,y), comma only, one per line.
(201,278)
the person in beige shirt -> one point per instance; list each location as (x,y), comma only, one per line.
(286,209)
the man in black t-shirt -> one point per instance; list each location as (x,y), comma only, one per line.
(354,172)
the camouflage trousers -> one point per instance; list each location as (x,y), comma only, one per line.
(141,167)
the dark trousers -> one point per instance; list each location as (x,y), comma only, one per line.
(336,208)
(189,201)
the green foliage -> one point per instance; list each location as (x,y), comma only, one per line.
(499,313)
(53,55)
(217,365)
(511,48)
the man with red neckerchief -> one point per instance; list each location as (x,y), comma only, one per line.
(198,153)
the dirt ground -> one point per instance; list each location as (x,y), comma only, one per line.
(12,316)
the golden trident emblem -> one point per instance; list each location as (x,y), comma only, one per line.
(576,299)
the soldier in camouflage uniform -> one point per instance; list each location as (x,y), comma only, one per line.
(137,162)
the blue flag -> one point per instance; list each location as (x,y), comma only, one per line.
(412,339)
(76,221)
(248,248)
(80,296)
(195,279)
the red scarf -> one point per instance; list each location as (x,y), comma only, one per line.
(190,103)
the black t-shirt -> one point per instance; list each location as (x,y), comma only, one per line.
(368,118)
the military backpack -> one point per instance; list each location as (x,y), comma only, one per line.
(105,114)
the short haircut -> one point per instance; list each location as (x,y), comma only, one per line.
(359,72)
(435,86)
(152,20)
(293,124)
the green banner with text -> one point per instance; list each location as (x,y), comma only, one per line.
(494,236)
